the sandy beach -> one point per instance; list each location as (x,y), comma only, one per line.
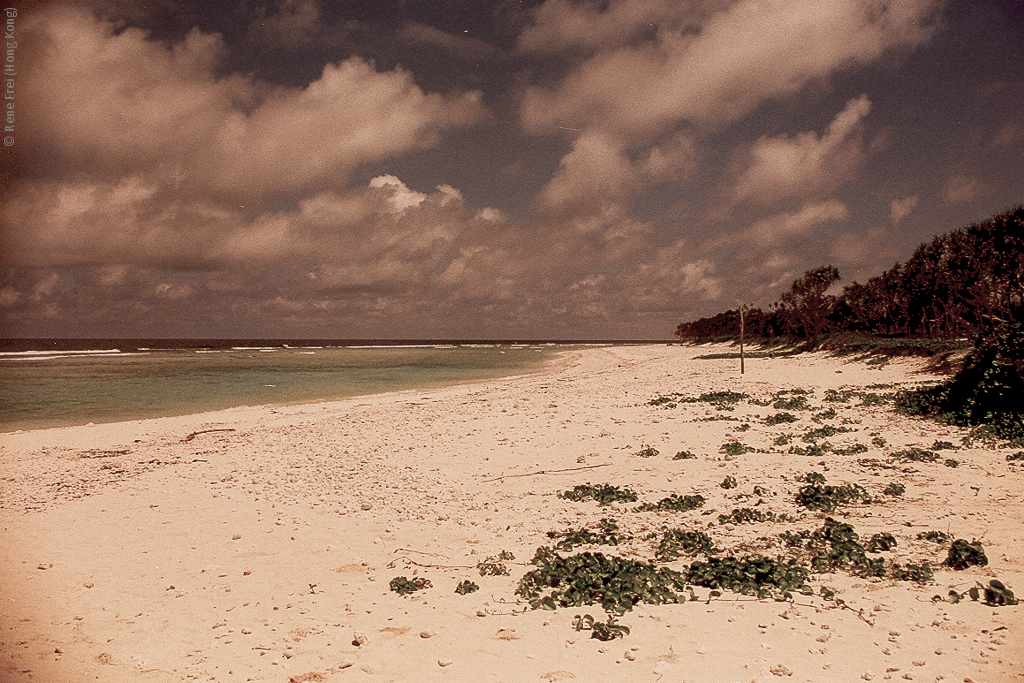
(257,544)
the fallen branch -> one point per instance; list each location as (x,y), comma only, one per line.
(206,431)
(391,564)
(530,474)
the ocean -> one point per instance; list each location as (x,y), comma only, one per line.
(57,383)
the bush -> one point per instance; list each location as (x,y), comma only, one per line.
(987,389)
(916,455)
(780,418)
(746,515)
(466,587)
(895,489)
(674,503)
(615,583)
(684,455)
(752,575)
(735,448)
(676,542)
(404,586)
(828,498)
(604,494)
(601,631)
(963,555)
(880,541)
(607,533)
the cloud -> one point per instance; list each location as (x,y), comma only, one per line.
(600,174)
(593,177)
(561,25)
(720,70)
(464,47)
(110,103)
(779,168)
(901,208)
(963,189)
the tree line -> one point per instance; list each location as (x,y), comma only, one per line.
(956,285)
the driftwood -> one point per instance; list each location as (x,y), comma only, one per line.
(530,474)
(206,431)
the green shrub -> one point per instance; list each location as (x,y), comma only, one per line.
(795,403)
(604,494)
(943,446)
(996,594)
(603,631)
(828,498)
(647,452)
(919,573)
(684,455)
(951,462)
(836,396)
(404,586)
(735,448)
(615,583)
(729,482)
(811,477)
(676,542)
(915,455)
(494,566)
(815,450)
(855,449)
(751,575)
(895,489)
(674,503)
(780,418)
(607,533)
(747,515)
(987,389)
(933,536)
(963,554)
(466,587)
(828,430)
(880,541)
(868,400)
(829,414)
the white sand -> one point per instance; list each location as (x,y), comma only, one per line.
(261,553)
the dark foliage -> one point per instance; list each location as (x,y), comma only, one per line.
(952,286)
(963,554)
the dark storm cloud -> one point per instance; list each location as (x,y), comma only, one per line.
(457,168)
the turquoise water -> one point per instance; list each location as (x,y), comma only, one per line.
(40,389)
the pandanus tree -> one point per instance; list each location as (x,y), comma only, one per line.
(807,303)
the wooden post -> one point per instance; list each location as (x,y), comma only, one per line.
(741,340)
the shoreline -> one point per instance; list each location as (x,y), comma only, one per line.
(263,550)
(423,384)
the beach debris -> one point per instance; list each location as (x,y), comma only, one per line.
(781,670)
(359,639)
(205,431)
(445,662)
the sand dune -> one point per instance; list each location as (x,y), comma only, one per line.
(258,544)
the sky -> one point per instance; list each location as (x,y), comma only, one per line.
(463,169)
